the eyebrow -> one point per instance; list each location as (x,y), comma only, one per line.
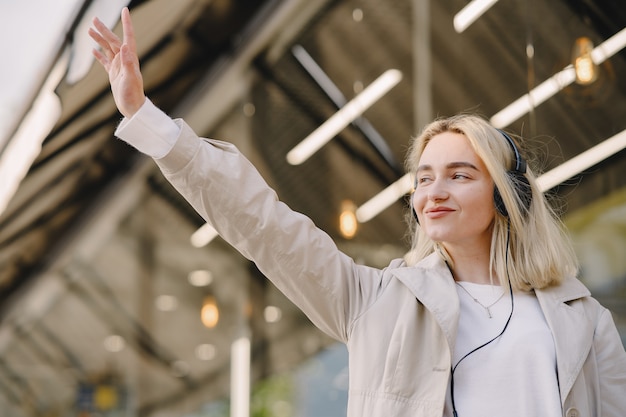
(448,166)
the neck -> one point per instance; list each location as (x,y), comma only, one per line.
(471,266)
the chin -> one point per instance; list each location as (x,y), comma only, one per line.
(438,235)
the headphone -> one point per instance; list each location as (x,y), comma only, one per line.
(517,178)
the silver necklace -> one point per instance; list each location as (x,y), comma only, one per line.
(487,308)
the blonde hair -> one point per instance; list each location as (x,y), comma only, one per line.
(529,247)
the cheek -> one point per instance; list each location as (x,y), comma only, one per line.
(417,201)
(483,204)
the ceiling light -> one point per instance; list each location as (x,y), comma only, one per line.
(582,161)
(272,314)
(334,93)
(535,97)
(384,199)
(209,314)
(357,15)
(348,224)
(346,115)
(609,47)
(472,11)
(206,352)
(166,303)
(203,236)
(200,278)
(586,70)
(114,343)
(240,377)
(556,83)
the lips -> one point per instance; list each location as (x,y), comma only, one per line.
(437,212)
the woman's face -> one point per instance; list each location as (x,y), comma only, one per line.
(454,194)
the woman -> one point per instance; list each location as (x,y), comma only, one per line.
(482,318)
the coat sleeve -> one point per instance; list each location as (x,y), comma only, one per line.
(299,258)
(611,362)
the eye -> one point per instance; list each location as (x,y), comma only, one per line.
(423,179)
(460,176)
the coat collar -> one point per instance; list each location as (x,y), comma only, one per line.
(571,329)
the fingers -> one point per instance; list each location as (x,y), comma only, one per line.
(111,39)
(129,31)
(102,59)
(109,43)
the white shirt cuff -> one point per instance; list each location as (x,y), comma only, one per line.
(150,131)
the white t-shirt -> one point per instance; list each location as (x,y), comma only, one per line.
(515,371)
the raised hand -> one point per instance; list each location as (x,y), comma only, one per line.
(119,59)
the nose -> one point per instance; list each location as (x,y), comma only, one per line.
(437,190)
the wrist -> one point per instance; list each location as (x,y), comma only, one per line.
(131,107)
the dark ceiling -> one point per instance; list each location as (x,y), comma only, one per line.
(94,232)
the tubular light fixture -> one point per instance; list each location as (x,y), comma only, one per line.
(240,377)
(346,115)
(384,199)
(582,161)
(333,92)
(203,236)
(556,83)
(472,11)
(535,97)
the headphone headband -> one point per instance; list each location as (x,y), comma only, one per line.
(520,163)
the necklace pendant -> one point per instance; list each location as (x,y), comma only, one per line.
(477,301)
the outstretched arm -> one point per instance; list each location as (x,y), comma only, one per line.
(119,59)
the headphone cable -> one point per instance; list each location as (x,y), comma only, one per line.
(506,263)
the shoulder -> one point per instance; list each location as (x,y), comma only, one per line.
(569,290)
(574,294)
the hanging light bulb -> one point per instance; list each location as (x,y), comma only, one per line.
(348,224)
(209,314)
(586,69)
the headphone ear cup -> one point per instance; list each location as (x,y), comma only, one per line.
(499,203)
(413,207)
(522,189)
(411,201)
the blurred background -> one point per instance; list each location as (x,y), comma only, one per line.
(116,301)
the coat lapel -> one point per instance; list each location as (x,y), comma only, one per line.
(432,284)
(571,329)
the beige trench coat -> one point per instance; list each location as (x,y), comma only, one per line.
(399,323)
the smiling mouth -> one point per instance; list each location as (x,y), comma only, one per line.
(435,213)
